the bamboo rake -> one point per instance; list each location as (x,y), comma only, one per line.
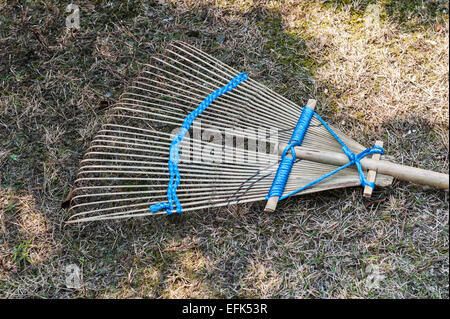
(124,170)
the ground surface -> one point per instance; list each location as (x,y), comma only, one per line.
(378,71)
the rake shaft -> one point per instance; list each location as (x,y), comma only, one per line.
(398,171)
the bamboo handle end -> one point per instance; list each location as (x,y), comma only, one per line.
(271,204)
(311,103)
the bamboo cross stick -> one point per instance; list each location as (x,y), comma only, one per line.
(372,174)
(272,202)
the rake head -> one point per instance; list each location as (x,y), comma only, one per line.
(229,156)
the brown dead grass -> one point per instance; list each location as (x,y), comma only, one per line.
(388,81)
(26,236)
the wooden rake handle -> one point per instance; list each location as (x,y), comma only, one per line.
(401,172)
(398,171)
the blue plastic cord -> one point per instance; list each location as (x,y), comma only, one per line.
(284,169)
(174,155)
(354,159)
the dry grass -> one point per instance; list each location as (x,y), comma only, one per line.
(385,80)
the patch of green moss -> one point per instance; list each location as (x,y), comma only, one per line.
(21,253)
(408,12)
(356,7)
(287,47)
(412,15)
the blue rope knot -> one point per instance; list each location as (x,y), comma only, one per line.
(355,160)
(351,156)
(174,155)
(290,147)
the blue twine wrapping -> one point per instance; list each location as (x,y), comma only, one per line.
(285,166)
(284,169)
(174,155)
